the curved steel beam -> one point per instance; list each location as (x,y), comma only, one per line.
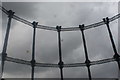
(62,29)
(20,61)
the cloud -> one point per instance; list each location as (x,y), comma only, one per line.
(64,14)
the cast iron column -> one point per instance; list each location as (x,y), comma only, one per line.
(33,50)
(116,55)
(4,54)
(60,54)
(85,49)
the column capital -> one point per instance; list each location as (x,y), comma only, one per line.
(10,13)
(106,20)
(58,28)
(34,24)
(82,27)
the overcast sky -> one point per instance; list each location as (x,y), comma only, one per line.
(64,14)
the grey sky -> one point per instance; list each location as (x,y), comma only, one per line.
(66,15)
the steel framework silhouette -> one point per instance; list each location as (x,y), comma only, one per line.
(60,65)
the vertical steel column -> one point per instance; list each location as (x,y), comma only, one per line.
(116,55)
(4,54)
(33,50)
(85,49)
(60,54)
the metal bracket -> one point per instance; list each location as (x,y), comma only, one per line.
(58,28)
(61,63)
(106,20)
(34,24)
(116,57)
(81,27)
(87,63)
(10,13)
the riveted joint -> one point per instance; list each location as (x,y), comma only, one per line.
(34,24)
(4,55)
(10,13)
(87,63)
(33,62)
(106,20)
(58,28)
(81,27)
(116,57)
(61,63)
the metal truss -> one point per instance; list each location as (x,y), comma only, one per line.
(60,65)
(20,61)
(62,29)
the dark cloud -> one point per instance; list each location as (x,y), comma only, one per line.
(21,8)
(64,14)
